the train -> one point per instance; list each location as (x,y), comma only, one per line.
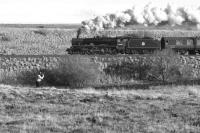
(133,45)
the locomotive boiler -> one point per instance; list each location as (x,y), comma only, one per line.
(133,45)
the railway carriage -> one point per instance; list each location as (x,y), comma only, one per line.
(182,45)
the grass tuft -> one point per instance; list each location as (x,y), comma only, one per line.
(40,32)
(4,37)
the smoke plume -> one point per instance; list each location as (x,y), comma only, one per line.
(149,15)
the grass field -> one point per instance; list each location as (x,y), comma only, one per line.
(35,41)
(159,109)
(152,109)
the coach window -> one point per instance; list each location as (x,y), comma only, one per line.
(198,42)
(179,42)
(189,42)
(167,42)
(125,40)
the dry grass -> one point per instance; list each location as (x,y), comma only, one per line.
(48,109)
(34,41)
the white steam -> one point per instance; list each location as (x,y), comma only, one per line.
(148,15)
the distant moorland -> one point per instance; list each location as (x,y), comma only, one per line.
(62,26)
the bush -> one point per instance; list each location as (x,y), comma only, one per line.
(129,70)
(161,66)
(70,72)
(40,32)
(165,65)
(27,77)
(73,72)
(40,26)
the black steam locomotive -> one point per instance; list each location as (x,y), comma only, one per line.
(133,45)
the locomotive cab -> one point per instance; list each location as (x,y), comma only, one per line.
(142,45)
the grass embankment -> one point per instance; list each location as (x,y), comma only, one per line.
(48,109)
(81,71)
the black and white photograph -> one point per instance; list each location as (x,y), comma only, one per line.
(99,66)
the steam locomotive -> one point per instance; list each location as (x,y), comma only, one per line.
(133,45)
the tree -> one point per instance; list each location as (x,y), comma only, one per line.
(165,65)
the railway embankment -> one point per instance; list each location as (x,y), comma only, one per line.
(193,62)
(12,63)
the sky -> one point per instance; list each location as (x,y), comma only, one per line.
(70,11)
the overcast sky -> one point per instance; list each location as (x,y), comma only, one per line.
(69,11)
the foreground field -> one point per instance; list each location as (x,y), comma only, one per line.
(48,109)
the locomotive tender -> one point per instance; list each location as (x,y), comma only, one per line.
(133,45)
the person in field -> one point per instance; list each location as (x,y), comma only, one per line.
(39,79)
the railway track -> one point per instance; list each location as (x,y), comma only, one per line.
(89,56)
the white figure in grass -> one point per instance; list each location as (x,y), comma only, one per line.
(39,79)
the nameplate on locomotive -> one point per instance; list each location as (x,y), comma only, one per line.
(143,43)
